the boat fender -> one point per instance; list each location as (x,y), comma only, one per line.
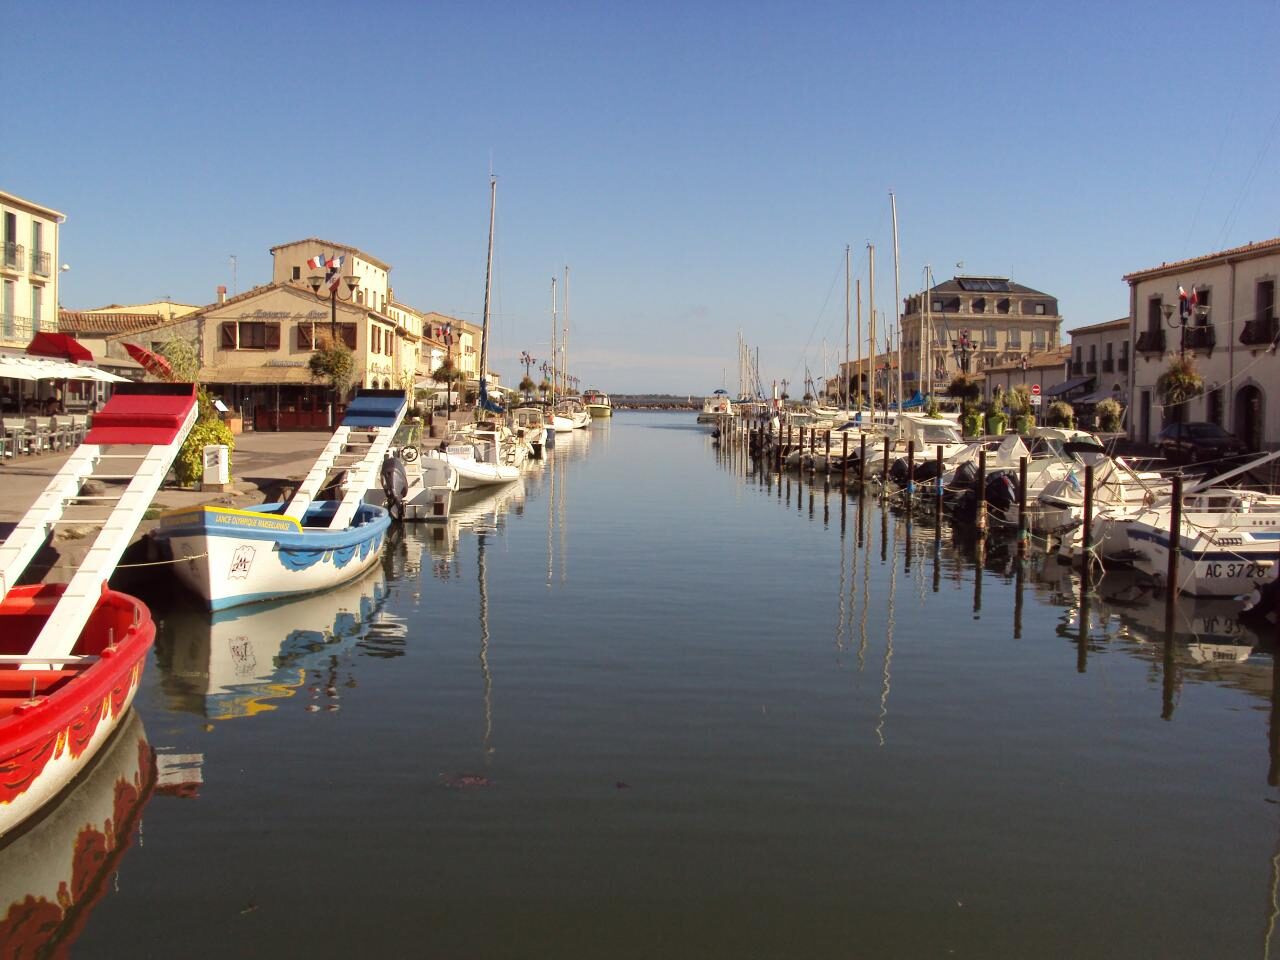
(395,485)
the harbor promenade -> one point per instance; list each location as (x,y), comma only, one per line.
(262,465)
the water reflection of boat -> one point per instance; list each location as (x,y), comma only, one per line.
(236,663)
(55,870)
(472,510)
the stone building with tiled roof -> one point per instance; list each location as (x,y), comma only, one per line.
(969,323)
(1226,325)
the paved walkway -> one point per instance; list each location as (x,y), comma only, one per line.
(261,465)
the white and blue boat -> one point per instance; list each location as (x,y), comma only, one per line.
(229,556)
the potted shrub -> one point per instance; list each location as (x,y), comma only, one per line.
(1019,403)
(1061,414)
(995,418)
(971,421)
(1110,414)
(1179,383)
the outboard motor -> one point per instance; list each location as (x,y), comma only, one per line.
(395,485)
(898,472)
(965,476)
(927,473)
(1002,491)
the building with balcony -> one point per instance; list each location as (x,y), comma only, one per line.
(1099,363)
(1226,325)
(28,271)
(967,324)
(255,348)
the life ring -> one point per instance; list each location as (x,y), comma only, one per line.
(409,453)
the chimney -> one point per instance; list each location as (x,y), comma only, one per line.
(222,294)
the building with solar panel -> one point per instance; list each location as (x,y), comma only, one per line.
(967,324)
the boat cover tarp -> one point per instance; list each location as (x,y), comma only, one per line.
(374,408)
(143,413)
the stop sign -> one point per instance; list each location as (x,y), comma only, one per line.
(1035,389)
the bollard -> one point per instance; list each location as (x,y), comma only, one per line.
(980,488)
(1022,507)
(844,460)
(1086,535)
(1175,547)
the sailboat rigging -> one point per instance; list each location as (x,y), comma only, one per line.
(485,402)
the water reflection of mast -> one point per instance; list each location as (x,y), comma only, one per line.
(888,645)
(551,506)
(484,649)
(844,549)
(560,518)
(866,589)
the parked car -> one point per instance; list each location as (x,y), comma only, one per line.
(1198,442)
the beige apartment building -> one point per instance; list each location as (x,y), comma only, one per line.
(971,323)
(255,348)
(1230,334)
(29,270)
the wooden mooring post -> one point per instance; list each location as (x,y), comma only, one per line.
(844,459)
(911,468)
(1086,534)
(980,488)
(884,467)
(1175,548)
(1022,507)
(938,480)
(862,461)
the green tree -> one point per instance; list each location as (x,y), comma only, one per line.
(527,386)
(333,362)
(964,387)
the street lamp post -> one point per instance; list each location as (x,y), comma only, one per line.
(315,280)
(1185,309)
(528,362)
(962,348)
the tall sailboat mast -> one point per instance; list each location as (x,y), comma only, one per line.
(844,378)
(555,370)
(488,287)
(871,305)
(897,294)
(566,329)
(857,341)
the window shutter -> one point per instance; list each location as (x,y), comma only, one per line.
(349,335)
(228,340)
(304,337)
(271,336)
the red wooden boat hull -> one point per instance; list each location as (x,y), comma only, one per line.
(46,739)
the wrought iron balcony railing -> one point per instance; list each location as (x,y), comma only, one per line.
(1108,365)
(1258,332)
(1091,366)
(1201,338)
(12,256)
(15,330)
(1150,341)
(40,263)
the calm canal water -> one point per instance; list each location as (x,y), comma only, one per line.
(645,704)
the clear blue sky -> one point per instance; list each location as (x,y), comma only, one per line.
(700,166)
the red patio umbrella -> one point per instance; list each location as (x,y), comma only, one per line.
(59,345)
(153,363)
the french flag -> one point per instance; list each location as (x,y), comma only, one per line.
(317,263)
(335,272)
